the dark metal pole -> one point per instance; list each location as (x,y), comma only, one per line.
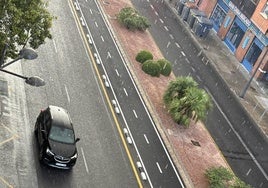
(5,65)
(242,94)
(14,74)
(3,54)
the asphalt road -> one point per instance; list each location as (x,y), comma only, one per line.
(151,152)
(65,65)
(234,132)
(73,82)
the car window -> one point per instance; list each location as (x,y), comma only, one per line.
(61,134)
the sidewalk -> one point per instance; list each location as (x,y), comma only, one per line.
(190,159)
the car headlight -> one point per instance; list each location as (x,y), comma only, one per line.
(49,152)
(74,156)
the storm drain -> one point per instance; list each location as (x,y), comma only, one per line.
(195,143)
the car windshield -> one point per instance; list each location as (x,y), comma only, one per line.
(61,134)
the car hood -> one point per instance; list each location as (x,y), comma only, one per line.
(64,150)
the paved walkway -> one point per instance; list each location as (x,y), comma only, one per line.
(191,160)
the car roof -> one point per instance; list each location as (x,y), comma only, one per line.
(60,117)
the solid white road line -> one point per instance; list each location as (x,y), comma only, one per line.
(248,172)
(67,94)
(168,44)
(166,28)
(55,46)
(135,113)
(117,72)
(84,158)
(177,45)
(160,170)
(146,139)
(125,91)
(109,55)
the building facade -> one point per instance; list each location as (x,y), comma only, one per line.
(243,26)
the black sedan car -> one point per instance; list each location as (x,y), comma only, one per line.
(56,138)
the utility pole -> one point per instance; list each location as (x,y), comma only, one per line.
(242,94)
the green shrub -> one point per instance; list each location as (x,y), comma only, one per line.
(143,56)
(142,23)
(130,18)
(220,177)
(151,67)
(125,13)
(130,23)
(165,66)
(239,184)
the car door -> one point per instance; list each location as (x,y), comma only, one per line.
(45,118)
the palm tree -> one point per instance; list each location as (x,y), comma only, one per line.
(186,101)
(176,88)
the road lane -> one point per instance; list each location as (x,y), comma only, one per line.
(71,83)
(136,116)
(208,78)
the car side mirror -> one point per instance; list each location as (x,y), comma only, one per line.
(77,139)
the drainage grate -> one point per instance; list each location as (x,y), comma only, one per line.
(195,143)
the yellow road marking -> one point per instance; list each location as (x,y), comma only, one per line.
(5,182)
(107,97)
(11,138)
(7,140)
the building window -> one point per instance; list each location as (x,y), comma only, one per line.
(264,11)
(218,17)
(253,54)
(235,35)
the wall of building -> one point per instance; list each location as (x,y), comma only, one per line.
(242,50)
(223,30)
(264,65)
(258,19)
(207,6)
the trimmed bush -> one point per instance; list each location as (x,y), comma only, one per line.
(165,66)
(152,68)
(130,23)
(130,18)
(142,23)
(143,56)
(125,13)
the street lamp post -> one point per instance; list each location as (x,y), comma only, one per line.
(33,81)
(23,54)
(242,94)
